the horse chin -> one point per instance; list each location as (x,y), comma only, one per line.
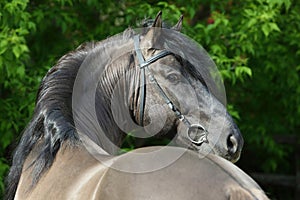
(205,149)
(235,158)
(232,158)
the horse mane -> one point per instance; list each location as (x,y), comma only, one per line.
(52,122)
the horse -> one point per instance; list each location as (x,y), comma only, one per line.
(149,83)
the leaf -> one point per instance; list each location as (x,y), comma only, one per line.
(3,46)
(241,71)
(216,49)
(273,26)
(233,112)
(225,74)
(16,51)
(21,71)
(19,49)
(265,29)
(251,22)
(248,71)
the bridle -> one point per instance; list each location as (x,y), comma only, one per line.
(143,64)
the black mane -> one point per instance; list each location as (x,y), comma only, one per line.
(52,122)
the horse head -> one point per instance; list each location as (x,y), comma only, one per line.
(185,78)
(156,82)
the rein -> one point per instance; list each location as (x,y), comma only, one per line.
(143,64)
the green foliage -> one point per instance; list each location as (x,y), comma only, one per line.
(255,44)
(15,83)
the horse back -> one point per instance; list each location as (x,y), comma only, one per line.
(188,177)
(75,174)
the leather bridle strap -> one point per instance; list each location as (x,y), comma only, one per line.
(144,64)
(142,85)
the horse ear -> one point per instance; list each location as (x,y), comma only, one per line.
(178,26)
(152,37)
(158,20)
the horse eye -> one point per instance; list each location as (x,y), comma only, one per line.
(173,78)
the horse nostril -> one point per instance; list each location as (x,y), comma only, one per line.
(232,144)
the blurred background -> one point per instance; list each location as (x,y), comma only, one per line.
(254,43)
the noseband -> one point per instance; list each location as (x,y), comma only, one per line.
(144,64)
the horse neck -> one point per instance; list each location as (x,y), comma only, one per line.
(106,91)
